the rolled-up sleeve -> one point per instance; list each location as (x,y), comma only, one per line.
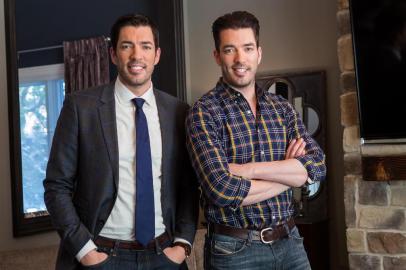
(314,159)
(204,144)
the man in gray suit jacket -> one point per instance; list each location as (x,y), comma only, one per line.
(93,181)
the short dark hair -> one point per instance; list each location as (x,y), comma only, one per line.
(133,20)
(235,20)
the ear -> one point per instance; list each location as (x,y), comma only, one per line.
(113,56)
(259,55)
(216,55)
(157,55)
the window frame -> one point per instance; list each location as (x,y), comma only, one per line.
(40,221)
(50,76)
(21,225)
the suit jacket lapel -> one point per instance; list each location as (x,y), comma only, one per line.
(107,114)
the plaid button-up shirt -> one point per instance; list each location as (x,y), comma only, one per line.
(221,129)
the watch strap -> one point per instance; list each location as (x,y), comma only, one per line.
(186,247)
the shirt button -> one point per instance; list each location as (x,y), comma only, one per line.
(262,152)
(248,112)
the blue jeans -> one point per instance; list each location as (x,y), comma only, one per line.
(226,252)
(125,259)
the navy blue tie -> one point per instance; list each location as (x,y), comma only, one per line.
(144,205)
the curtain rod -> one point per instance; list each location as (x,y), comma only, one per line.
(107,39)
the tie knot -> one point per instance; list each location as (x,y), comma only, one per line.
(138,102)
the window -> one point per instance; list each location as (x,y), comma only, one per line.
(41,91)
(41,94)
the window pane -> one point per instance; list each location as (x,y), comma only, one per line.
(36,108)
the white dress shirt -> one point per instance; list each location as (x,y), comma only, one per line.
(120,224)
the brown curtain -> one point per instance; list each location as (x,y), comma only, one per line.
(86,63)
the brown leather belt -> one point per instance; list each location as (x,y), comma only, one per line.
(134,245)
(267,235)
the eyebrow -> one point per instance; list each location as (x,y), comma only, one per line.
(146,42)
(142,42)
(249,44)
(228,46)
(244,45)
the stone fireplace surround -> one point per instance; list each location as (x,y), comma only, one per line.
(374,211)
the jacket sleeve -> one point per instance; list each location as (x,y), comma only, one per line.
(187,211)
(60,180)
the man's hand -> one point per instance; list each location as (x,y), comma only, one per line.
(296,148)
(176,254)
(242,170)
(93,257)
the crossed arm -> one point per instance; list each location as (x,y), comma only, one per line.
(273,178)
(232,185)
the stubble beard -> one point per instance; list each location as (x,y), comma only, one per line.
(236,83)
(133,82)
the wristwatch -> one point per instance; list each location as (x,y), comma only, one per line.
(186,247)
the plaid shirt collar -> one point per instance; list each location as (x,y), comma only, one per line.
(228,92)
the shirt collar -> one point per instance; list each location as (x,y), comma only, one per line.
(125,96)
(233,94)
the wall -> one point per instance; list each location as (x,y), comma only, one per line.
(375,212)
(294,35)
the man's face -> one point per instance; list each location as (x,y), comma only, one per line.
(238,57)
(135,57)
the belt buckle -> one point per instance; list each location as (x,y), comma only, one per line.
(262,235)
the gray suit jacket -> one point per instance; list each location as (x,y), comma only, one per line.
(82,174)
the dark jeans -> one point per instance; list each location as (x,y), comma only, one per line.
(125,259)
(226,252)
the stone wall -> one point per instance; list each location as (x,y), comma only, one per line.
(375,212)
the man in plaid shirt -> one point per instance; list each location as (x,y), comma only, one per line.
(249,148)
